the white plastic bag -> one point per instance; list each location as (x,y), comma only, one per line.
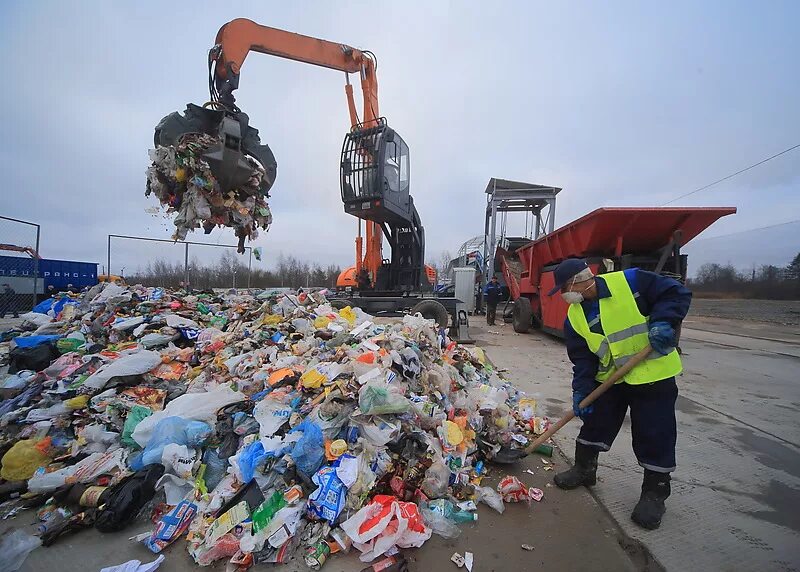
(271,415)
(178,460)
(130,364)
(384,523)
(491,497)
(15,545)
(84,471)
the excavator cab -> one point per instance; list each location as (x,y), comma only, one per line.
(236,142)
(375,173)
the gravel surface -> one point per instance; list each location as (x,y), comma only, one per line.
(784,312)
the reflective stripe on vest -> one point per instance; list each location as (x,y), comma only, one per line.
(626,333)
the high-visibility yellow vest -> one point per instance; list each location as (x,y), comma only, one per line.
(625,335)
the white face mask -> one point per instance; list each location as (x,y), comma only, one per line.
(575,297)
(572,297)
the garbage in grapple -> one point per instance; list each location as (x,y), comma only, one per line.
(250,427)
(182,180)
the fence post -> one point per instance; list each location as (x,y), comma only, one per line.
(108,260)
(186,266)
(36,269)
(249,267)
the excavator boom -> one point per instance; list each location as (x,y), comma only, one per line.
(375,160)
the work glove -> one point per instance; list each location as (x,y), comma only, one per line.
(662,337)
(577,397)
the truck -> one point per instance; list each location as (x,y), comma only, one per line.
(609,239)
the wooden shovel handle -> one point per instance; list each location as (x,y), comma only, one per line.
(589,399)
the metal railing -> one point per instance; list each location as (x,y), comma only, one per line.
(163,262)
(19,265)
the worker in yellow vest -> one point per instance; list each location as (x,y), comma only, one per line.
(611,317)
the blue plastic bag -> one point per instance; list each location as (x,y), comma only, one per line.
(309,452)
(32,341)
(171,430)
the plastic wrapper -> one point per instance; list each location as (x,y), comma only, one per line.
(328,500)
(171,526)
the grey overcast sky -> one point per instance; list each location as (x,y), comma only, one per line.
(619,103)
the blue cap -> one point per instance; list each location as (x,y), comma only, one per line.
(565,271)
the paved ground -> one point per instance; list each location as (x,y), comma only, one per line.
(736,492)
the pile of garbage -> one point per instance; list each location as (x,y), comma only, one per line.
(258,426)
(182,181)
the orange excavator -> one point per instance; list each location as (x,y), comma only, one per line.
(375,169)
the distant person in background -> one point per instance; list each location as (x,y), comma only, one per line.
(7,301)
(71,289)
(491,293)
(51,291)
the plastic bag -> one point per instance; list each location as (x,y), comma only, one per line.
(171,430)
(131,364)
(439,523)
(127,498)
(196,406)
(513,490)
(135,566)
(84,471)
(22,459)
(383,523)
(437,480)
(377,430)
(271,414)
(178,460)
(15,545)
(135,416)
(309,452)
(490,497)
(248,460)
(376,398)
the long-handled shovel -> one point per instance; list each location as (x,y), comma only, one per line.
(506,455)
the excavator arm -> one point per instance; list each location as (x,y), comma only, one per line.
(236,39)
(385,209)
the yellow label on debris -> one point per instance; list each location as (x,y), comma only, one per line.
(348,314)
(453,433)
(312,379)
(77,402)
(321,322)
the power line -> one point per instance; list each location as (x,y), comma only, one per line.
(749,230)
(732,175)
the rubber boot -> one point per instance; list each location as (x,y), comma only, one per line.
(650,508)
(584,473)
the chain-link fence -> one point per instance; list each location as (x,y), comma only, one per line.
(19,266)
(166,263)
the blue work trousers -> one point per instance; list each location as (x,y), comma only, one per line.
(653,425)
